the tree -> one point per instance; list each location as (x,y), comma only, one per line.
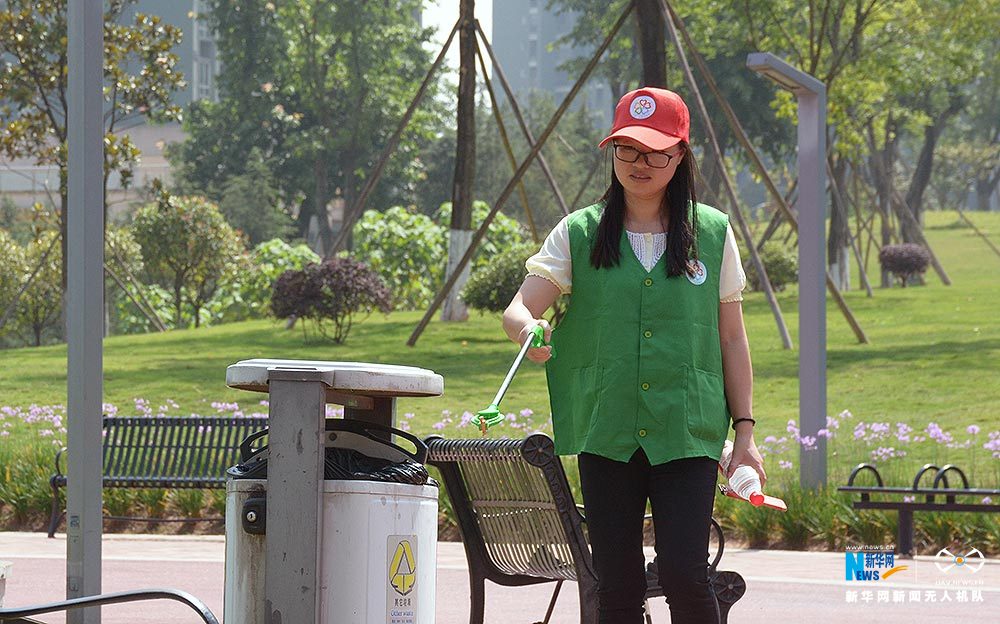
(140,77)
(318,89)
(41,302)
(187,247)
(12,272)
(251,203)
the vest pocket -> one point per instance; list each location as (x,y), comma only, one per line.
(707,418)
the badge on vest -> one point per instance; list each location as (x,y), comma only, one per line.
(700,273)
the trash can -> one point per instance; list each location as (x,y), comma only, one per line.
(377,560)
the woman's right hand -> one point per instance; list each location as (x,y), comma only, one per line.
(537,354)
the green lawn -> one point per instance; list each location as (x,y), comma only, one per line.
(934,354)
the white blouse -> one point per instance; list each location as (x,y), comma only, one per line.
(552,262)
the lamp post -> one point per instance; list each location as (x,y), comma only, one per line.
(811,96)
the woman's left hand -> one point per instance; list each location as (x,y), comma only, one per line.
(745,453)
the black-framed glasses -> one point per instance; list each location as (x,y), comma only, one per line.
(656,160)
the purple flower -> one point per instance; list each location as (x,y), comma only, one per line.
(908,499)
(408,415)
(859,431)
(770,440)
(438,426)
(987,500)
(526,413)
(808,443)
(972,429)
(823,433)
(785,465)
(936,433)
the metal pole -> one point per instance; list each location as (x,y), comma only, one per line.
(85,302)
(811,95)
(297,417)
(812,291)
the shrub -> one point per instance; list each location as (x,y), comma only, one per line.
(491,287)
(407,249)
(250,295)
(781,264)
(333,291)
(504,232)
(904,261)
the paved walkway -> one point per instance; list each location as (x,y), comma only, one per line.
(783,586)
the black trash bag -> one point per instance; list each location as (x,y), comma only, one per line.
(346,463)
(350,464)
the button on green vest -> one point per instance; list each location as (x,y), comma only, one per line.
(639,358)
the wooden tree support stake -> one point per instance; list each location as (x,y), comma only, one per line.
(779,319)
(741,136)
(509,189)
(520,118)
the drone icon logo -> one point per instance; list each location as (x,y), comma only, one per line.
(973,560)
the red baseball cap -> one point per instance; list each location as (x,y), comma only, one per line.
(657,118)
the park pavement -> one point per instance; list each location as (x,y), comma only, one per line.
(783,586)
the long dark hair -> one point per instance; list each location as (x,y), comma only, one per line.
(678,206)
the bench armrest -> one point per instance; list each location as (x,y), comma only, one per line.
(59,472)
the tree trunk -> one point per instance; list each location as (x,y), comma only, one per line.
(984,191)
(925,166)
(350,192)
(461,233)
(652,47)
(881,166)
(178,304)
(838,246)
(322,196)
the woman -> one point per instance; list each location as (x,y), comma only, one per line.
(653,359)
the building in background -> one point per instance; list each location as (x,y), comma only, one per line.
(523,31)
(25,183)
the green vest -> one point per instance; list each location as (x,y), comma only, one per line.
(638,357)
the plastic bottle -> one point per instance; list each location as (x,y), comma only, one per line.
(745,480)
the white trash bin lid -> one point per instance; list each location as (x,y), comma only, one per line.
(346,377)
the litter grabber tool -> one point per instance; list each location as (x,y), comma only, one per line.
(491,415)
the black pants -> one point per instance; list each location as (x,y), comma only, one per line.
(682,493)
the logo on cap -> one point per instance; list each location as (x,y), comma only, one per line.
(642,107)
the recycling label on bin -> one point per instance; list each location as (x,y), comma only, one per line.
(401,575)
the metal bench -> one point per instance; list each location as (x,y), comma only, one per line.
(175,452)
(521,526)
(20,615)
(931,496)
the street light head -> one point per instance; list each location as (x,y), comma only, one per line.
(786,76)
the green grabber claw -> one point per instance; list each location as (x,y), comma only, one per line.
(491,415)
